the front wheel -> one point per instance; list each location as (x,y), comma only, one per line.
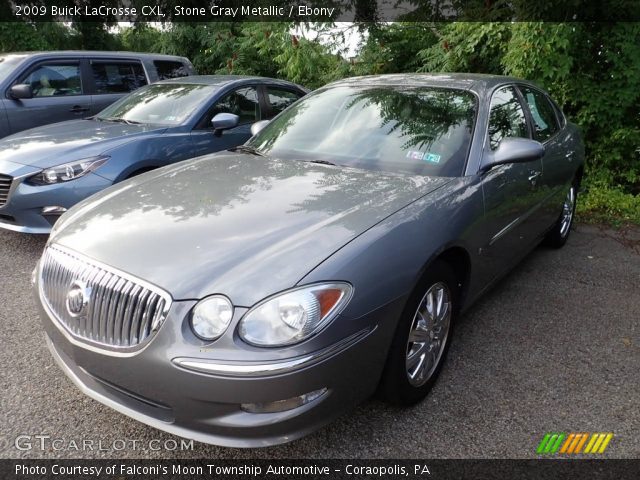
(422,338)
(559,234)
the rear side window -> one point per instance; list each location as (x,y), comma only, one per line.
(55,79)
(279,99)
(543,114)
(117,77)
(506,117)
(168,69)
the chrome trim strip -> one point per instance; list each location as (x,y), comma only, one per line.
(216,367)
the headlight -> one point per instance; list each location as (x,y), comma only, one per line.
(211,317)
(68,171)
(294,316)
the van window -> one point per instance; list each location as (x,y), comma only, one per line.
(55,79)
(117,77)
(169,69)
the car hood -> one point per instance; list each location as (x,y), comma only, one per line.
(235,224)
(63,142)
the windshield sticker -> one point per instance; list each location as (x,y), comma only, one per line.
(427,157)
(415,155)
(431,157)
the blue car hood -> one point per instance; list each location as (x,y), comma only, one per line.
(44,147)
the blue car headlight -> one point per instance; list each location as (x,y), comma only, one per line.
(294,316)
(67,171)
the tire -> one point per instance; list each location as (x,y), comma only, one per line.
(559,234)
(412,366)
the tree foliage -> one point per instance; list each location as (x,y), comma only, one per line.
(592,69)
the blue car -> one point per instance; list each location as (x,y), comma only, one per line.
(46,170)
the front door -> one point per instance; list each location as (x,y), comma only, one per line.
(244,102)
(511,192)
(58,95)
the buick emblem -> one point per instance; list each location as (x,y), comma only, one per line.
(78,299)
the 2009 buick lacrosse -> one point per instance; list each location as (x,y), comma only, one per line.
(248,297)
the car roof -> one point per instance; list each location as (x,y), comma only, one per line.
(477,82)
(220,80)
(93,53)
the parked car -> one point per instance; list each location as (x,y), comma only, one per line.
(247,298)
(46,170)
(47,87)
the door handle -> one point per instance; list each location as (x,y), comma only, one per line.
(78,109)
(533,177)
(569,155)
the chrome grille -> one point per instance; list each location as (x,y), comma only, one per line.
(121,312)
(5,185)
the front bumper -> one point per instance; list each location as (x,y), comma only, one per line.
(23,211)
(157,388)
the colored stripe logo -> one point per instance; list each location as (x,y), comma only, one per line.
(572,443)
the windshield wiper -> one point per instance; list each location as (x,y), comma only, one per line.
(322,162)
(247,149)
(118,120)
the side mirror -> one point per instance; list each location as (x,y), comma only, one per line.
(256,127)
(224,121)
(513,150)
(21,91)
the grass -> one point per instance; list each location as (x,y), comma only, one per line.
(608,205)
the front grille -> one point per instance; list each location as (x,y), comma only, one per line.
(5,185)
(120,312)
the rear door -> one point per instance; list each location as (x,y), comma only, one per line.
(59,94)
(247,103)
(511,192)
(557,164)
(111,79)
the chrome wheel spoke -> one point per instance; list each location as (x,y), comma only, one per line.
(428,334)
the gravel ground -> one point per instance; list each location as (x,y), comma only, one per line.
(554,347)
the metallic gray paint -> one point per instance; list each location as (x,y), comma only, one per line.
(249,227)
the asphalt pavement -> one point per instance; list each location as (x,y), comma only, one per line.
(555,347)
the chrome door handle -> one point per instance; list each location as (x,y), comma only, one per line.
(569,155)
(533,177)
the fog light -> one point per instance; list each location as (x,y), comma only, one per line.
(53,210)
(284,405)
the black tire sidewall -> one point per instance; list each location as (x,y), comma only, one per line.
(395,387)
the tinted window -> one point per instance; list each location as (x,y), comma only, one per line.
(118,77)
(168,69)
(161,104)
(506,117)
(242,102)
(544,117)
(403,129)
(55,80)
(280,99)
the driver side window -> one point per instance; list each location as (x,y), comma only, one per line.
(55,80)
(506,117)
(242,102)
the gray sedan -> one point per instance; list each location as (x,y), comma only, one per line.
(46,170)
(247,298)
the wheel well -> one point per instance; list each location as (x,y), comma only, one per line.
(458,259)
(140,171)
(579,175)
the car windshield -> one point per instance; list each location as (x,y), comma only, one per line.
(399,129)
(8,63)
(159,104)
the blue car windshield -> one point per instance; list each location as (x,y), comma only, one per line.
(158,104)
(399,129)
